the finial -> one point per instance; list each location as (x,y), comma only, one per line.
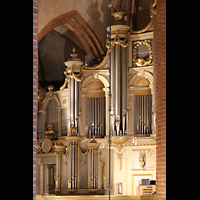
(74,50)
(50,126)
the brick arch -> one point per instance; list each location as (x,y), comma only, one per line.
(82,30)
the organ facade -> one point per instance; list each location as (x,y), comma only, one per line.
(105,107)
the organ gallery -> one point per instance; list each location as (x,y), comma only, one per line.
(96,131)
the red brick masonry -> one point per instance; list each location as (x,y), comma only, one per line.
(161,100)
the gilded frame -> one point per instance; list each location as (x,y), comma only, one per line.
(140,62)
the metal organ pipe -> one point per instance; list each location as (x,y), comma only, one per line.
(96,114)
(145,113)
(71,167)
(69,108)
(124,88)
(112,76)
(72,102)
(76,102)
(100,113)
(117,86)
(150,114)
(142,113)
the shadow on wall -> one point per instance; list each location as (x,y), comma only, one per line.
(99,21)
(53,51)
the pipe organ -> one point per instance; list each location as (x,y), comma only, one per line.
(113,98)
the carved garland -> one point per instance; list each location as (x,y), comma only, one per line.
(122,42)
(78,77)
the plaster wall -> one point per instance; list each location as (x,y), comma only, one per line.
(96,13)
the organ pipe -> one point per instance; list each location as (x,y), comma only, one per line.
(117,87)
(112,76)
(95,116)
(74,165)
(145,113)
(76,102)
(143,121)
(72,102)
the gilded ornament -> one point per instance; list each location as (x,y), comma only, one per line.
(119,12)
(117,40)
(73,70)
(141,62)
(41,94)
(142,159)
(46,145)
(64,101)
(50,133)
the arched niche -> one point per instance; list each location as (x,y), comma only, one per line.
(53,116)
(98,76)
(140,103)
(95,92)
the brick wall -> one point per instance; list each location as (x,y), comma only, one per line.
(82,30)
(161,99)
(35,88)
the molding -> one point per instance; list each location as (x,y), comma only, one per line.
(95,75)
(143,73)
